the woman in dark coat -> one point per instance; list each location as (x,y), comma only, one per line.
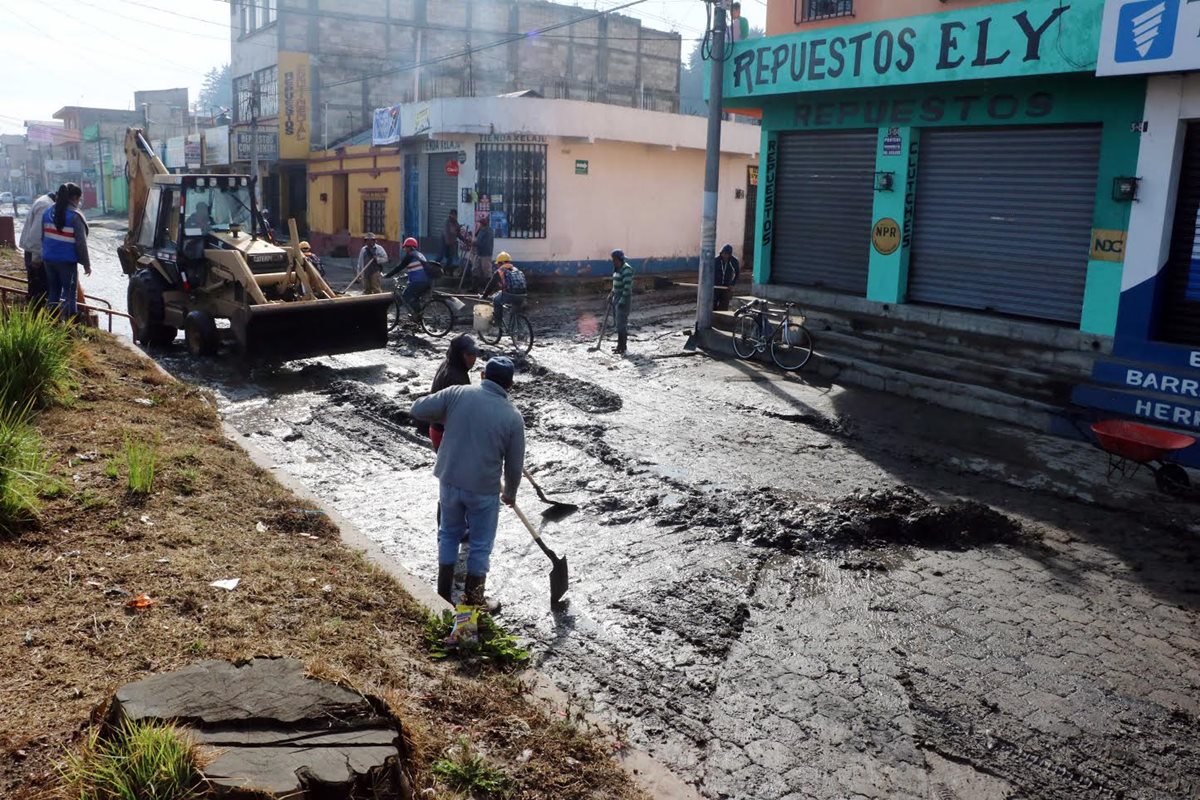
(454,371)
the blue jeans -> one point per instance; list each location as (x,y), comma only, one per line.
(412,294)
(61,277)
(505,299)
(462,511)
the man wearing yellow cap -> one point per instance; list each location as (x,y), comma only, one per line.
(311,258)
(511,283)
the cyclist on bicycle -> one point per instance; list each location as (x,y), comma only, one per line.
(511,283)
(415,267)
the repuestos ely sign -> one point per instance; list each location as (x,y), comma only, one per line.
(1033,37)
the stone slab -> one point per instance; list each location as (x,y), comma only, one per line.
(272,728)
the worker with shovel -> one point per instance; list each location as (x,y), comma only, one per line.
(478,465)
(371,259)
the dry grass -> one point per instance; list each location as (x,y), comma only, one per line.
(69,640)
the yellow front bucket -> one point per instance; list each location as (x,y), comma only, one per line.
(286,331)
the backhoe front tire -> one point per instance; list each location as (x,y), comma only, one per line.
(147,309)
(200,333)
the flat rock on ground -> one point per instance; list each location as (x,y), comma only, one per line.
(275,729)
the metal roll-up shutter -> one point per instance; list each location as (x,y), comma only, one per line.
(1003,219)
(1181,285)
(824,193)
(443,198)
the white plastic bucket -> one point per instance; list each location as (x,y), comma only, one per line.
(483,317)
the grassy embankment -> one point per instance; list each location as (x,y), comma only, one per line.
(131,487)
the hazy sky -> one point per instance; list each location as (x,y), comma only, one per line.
(97,52)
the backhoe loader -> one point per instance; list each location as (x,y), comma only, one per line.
(196,253)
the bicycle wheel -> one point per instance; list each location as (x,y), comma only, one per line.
(521,333)
(745,336)
(492,334)
(437,317)
(394,314)
(791,347)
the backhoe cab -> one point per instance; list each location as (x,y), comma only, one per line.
(195,255)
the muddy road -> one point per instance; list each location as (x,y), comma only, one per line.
(784,589)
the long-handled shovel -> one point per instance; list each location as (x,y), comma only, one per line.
(366,267)
(558,573)
(558,509)
(608,310)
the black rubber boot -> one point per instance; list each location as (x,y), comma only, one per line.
(620,348)
(473,594)
(445,581)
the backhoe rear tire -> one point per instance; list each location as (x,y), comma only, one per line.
(147,309)
(200,333)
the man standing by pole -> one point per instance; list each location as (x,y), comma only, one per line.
(712,169)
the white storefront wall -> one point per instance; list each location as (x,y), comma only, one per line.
(643,191)
(1171,101)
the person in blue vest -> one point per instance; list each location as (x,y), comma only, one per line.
(64,249)
(415,267)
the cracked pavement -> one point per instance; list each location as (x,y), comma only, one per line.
(749,601)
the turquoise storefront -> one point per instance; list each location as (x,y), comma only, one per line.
(967,159)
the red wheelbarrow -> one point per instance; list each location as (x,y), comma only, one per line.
(1131,446)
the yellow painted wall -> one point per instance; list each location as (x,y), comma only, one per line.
(321,214)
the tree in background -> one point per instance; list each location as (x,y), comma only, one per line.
(691,80)
(217,91)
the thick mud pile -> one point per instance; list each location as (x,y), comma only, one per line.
(865,519)
(536,382)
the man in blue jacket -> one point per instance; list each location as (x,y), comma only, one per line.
(478,465)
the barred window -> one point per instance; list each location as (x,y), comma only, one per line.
(824,9)
(512,185)
(373,214)
(268,91)
(243,98)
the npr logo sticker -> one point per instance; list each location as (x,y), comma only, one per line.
(1147,30)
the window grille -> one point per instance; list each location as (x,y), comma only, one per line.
(512,182)
(373,214)
(824,9)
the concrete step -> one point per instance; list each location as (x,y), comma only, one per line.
(866,373)
(980,347)
(1047,387)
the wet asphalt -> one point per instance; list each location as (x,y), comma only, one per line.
(780,588)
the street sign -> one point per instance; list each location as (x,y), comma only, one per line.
(581,167)
(1142,36)
(452,169)
(268,145)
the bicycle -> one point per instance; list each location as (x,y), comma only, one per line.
(790,342)
(433,313)
(515,324)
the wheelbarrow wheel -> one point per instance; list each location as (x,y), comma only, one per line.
(1172,479)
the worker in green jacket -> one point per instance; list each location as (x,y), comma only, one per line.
(622,296)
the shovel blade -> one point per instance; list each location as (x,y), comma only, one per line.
(558,581)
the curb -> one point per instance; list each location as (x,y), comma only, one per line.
(648,774)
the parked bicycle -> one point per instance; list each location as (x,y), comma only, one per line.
(515,325)
(790,343)
(433,313)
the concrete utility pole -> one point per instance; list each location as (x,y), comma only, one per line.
(712,171)
(254,143)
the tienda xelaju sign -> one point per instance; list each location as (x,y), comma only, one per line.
(1033,37)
